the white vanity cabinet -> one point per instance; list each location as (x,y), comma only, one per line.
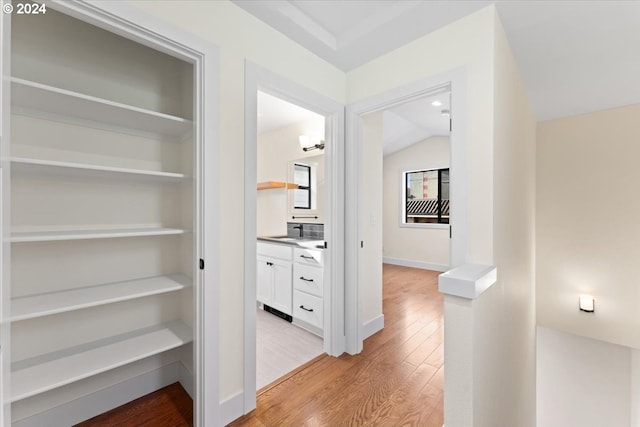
(308,284)
(273,273)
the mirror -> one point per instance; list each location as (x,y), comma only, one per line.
(305,203)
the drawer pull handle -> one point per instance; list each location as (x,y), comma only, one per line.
(306,257)
(269,263)
(306,280)
(305,308)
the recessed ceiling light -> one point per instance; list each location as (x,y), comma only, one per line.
(436,103)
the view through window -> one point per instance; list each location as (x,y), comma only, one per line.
(426,197)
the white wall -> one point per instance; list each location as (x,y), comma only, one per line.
(514,256)
(275,150)
(419,247)
(371,227)
(501,211)
(588,229)
(635,388)
(240,36)
(582,382)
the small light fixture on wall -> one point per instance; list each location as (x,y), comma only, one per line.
(586,303)
(307,145)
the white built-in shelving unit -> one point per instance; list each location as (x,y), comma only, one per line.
(103,194)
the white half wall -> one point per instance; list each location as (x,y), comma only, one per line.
(582,382)
(413,245)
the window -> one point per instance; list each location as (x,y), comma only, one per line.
(302,195)
(426,197)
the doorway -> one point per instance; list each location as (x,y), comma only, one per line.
(364,237)
(329,318)
(290,219)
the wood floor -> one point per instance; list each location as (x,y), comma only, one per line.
(397,380)
(168,407)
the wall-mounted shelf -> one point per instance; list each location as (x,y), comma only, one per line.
(30,307)
(25,164)
(50,371)
(49,236)
(31,98)
(269,185)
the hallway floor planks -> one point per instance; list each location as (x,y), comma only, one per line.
(396,380)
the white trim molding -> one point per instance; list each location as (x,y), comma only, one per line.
(259,78)
(132,23)
(232,408)
(373,326)
(415,264)
(456,81)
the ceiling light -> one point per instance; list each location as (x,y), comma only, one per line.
(445,112)
(436,103)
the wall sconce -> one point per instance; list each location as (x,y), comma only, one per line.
(307,145)
(586,303)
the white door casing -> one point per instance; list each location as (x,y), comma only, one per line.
(258,78)
(354,213)
(136,25)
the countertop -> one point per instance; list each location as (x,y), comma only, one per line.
(294,241)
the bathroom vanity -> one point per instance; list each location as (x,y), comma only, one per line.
(290,279)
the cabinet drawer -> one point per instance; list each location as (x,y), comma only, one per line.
(308,279)
(309,256)
(275,251)
(307,308)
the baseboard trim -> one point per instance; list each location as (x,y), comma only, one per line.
(89,406)
(416,264)
(232,408)
(372,326)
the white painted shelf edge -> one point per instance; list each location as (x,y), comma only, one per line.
(32,306)
(50,236)
(33,96)
(100,356)
(80,166)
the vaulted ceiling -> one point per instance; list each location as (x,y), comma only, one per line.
(574,56)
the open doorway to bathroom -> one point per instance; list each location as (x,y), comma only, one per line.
(290,219)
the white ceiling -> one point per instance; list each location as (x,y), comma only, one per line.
(403,125)
(414,121)
(574,56)
(275,113)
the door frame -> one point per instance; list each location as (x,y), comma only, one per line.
(257,79)
(136,25)
(457,81)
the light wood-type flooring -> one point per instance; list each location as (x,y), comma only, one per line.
(397,380)
(281,347)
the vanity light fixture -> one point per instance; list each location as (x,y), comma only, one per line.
(307,145)
(586,303)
